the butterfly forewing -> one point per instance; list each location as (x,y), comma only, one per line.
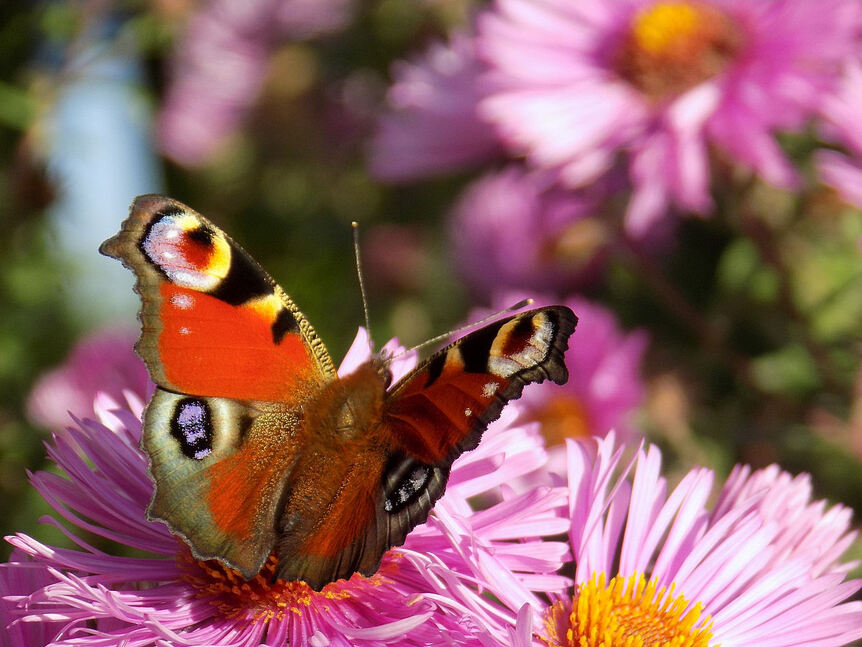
(214,322)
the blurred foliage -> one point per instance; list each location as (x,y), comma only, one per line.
(754,315)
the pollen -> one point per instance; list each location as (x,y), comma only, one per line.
(626,612)
(265,598)
(673,46)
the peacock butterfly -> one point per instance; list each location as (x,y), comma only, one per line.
(255,444)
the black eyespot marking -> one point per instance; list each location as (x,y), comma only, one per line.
(191,425)
(475,348)
(408,488)
(284,323)
(244,281)
(201,235)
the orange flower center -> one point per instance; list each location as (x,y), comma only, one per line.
(579,243)
(264,597)
(672,46)
(627,612)
(562,417)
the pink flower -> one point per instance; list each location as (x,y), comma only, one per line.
(761,567)
(102,362)
(165,596)
(431,125)
(841,111)
(519,230)
(578,82)
(220,65)
(843,173)
(20,577)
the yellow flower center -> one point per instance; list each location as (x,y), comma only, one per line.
(627,612)
(672,46)
(578,244)
(562,417)
(264,597)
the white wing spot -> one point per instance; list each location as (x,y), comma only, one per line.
(184,330)
(468,412)
(182,301)
(490,389)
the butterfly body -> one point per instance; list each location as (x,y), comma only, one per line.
(256,444)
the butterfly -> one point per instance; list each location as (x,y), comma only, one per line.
(256,445)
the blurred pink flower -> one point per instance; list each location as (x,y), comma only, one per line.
(102,362)
(843,173)
(165,596)
(760,568)
(577,82)
(841,111)
(430,125)
(515,229)
(220,63)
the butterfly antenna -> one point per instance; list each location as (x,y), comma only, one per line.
(521,304)
(356,256)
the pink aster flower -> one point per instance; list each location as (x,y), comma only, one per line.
(165,596)
(518,230)
(431,124)
(760,567)
(220,65)
(578,82)
(101,362)
(19,577)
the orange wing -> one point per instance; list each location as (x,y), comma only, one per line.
(214,322)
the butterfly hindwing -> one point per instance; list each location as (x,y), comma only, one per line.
(214,322)
(220,467)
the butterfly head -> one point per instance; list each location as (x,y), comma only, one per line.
(381,362)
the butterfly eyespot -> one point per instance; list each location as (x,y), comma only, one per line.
(189,253)
(191,425)
(408,488)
